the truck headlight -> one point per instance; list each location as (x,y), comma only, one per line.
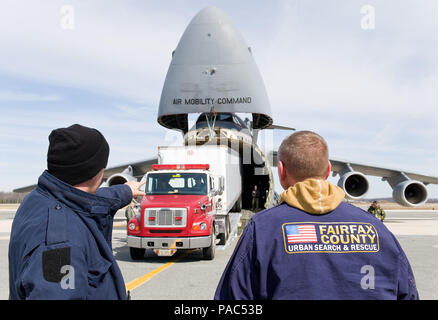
(131,226)
(203,226)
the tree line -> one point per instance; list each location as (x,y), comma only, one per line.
(11,197)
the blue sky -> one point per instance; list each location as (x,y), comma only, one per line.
(371,93)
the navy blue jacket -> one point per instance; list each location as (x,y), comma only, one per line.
(60,246)
(286,253)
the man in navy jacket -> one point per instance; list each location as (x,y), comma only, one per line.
(60,246)
(314,245)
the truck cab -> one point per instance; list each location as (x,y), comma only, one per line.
(177,212)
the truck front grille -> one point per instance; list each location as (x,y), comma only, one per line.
(165,217)
(166,231)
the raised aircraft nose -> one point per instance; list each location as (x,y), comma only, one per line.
(212,66)
(209,15)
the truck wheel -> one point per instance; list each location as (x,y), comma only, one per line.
(222,238)
(228,224)
(239,204)
(208,253)
(136,253)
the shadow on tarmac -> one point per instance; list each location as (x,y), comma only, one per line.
(122,254)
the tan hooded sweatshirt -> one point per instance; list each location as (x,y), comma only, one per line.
(314,196)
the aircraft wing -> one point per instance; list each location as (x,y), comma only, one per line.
(409,188)
(278,127)
(138,170)
(339,166)
(25,189)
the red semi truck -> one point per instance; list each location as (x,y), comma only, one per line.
(187,205)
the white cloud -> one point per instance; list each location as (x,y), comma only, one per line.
(114,49)
(367,92)
(27,97)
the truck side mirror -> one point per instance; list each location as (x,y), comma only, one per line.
(221,184)
(143,187)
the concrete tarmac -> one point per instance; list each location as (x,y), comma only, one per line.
(187,276)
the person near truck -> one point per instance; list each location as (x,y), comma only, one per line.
(255,195)
(129,211)
(377,211)
(200,185)
(314,245)
(60,245)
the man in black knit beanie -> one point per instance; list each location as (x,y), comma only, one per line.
(76,154)
(60,246)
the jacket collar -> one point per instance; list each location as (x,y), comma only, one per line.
(73,198)
(315,196)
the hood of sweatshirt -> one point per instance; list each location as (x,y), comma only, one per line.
(314,196)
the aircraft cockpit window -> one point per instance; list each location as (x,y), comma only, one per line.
(239,122)
(224,120)
(224,117)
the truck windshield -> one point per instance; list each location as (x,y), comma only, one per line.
(176,183)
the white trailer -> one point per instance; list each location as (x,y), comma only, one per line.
(225,167)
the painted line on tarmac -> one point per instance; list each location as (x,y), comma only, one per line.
(389,219)
(148,276)
(119,224)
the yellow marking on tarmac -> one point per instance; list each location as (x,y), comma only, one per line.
(119,225)
(146,277)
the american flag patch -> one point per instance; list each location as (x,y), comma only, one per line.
(301,233)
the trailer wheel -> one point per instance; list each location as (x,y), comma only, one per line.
(136,253)
(223,237)
(208,253)
(238,205)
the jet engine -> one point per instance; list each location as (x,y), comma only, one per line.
(410,193)
(354,184)
(120,178)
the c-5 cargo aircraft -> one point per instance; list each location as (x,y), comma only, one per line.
(213,74)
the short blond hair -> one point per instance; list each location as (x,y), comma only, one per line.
(304,155)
